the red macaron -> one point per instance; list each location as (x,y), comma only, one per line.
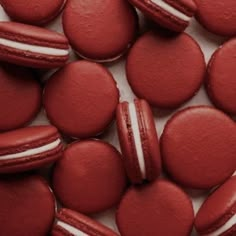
(159,208)
(217,16)
(90,177)
(174,15)
(100,30)
(165,70)
(221,84)
(139,141)
(32,46)
(20,97)
(81,99)
(27,206)
(217,215)
(198,147)
(73,223)
(33,12)
(29,148)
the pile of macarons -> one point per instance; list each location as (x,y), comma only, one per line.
(55,178)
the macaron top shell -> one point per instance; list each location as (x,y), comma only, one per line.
(197,139)
(36,12)
(81,223)
(20,97)
(217,16)
(164,70)
(159,208)
(81,99)
(221,83)
(100,30)
(27,206)
(90,177)
(219,207)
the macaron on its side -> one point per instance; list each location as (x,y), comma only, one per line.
(27,206)
(217,18)
(139,142)
(165,70)
(174,15)
(220,82)
(32,46)
(195,139)
(20,97)
(217,215)
(29,148)
(74,223)
(158,208)
(34,12)
(81,99)
(100,31)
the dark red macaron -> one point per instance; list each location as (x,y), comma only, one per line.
(171,14)
(165,70)
(217,16)
(27,206)
(198,147)
(221,83)
(159,208)
(81,99)
(90,177)
(32,46)
(73,223)
(100,30)
(29,148)
(20,97)
(217,215)
(33,12)
(139,141)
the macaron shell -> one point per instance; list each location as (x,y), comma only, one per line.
(189,137)
(149,74)
(89,163)
(150,141)
(20,97)
(160,208)
(81,98)
(100,30)
(221,85)
(218,207)
(29,204)
(83,223)
(126,140)
(217,16)
(34,12)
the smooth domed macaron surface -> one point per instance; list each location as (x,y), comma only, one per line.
(221,83)
(197,147)
(160,208)
(28,204)
(81,99)
(217,212)
(217,16)
(90,177)
(100,30)
(164,70)
(20,97)
(34,12)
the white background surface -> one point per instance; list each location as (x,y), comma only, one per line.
(208,42)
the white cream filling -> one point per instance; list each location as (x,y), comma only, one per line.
(34,48)
(33,151)
(137,138)
(71,229)
(224,228)
(168,8)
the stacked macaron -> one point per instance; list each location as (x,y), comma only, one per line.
(58,175)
